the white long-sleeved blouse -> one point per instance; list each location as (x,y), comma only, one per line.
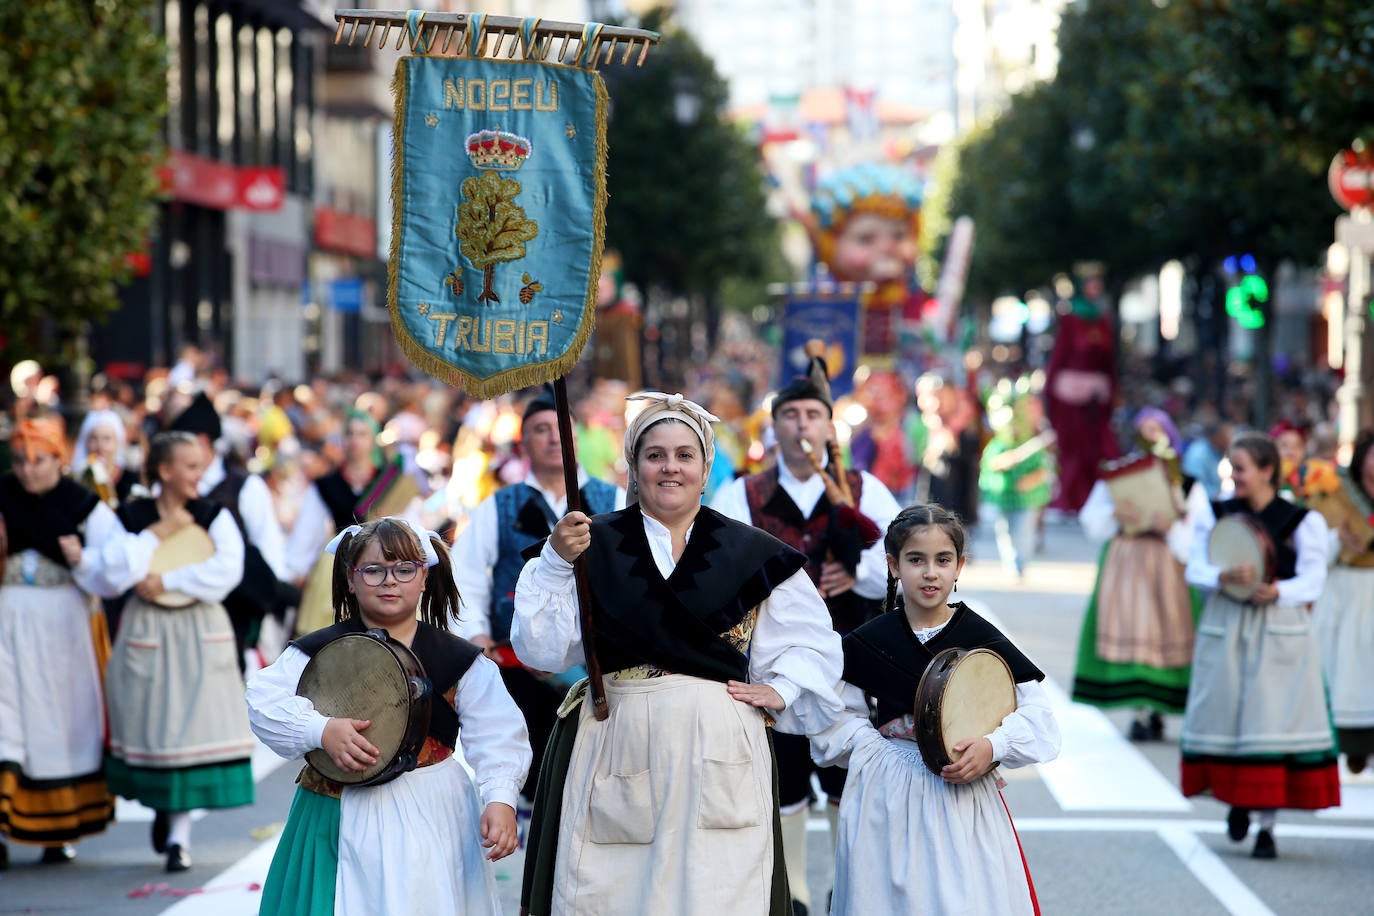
(1028,735)
(1310,539)
(126,558)
(794,648)
(1099,522)
(493,737)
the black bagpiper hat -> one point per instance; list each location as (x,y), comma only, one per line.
(814,386)
(199,417)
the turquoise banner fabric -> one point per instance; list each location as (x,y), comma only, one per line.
(498,194)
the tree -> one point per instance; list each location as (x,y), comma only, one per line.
(81,116)
(686,205)
(491,227)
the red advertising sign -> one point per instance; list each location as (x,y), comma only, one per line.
(261,188)
(348,233)
(221,186)
(1351,178)
(199,180)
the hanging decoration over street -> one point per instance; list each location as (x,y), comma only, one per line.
(498,191)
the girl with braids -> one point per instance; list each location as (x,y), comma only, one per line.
(416,844)
(969,858)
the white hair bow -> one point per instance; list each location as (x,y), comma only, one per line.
(421,534)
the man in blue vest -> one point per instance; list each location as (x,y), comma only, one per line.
(487,562)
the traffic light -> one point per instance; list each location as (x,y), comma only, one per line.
(1246,294)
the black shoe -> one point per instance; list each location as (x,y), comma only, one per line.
(1264,846)
(58,855)
(1356,762)
(4,857)
(177,858)
(799,908)
(1139,731)
(1238,824)
(1156,727)
(162,824)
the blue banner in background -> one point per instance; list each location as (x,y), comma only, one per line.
(346,294)
(831,318)
(499,194)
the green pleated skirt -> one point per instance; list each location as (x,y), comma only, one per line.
(305,867)
(213,785)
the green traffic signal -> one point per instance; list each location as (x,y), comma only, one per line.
(1243,299)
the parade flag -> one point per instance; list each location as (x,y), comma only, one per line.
(832,317)
(498,196)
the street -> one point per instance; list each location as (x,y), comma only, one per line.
(1104,827)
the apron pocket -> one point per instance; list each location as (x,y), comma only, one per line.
(729,799)
(621,809)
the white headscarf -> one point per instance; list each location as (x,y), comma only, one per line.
(666,407)
(80,454)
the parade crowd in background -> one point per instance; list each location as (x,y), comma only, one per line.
(269,474)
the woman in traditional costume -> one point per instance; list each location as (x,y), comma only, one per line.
(179,736)
(52,789)
(98,458)
(332,503)
(1136,646)
(1344,618)
(1257,731)
(710,629)
(426,831)
(910,840)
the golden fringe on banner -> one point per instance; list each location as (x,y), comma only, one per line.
(520,376)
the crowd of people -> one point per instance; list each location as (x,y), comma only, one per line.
(764,607)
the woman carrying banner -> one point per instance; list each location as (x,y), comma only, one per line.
(1344,619)
(710,630)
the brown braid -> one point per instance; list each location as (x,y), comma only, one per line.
(438,602)
(890,602)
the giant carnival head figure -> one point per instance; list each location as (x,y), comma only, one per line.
(865,221)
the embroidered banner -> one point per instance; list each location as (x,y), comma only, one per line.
(499,195)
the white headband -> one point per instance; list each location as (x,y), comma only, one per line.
(421,534)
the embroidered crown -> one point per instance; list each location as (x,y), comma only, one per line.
(498,149)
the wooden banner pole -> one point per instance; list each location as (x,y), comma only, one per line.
(584,597)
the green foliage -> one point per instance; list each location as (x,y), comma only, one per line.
(1189,129)
(81,112)
(686,207)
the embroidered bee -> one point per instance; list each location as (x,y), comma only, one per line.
(529,289)
(455,281)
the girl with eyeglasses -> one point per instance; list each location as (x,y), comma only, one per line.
(339,841)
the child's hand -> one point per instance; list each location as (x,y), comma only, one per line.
(975,762)
(499,833)
(346,747)
(756,695)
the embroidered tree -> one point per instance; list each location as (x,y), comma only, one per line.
(491,227)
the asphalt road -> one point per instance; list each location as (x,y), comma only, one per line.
(1104,828)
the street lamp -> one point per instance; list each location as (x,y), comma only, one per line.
(686,101)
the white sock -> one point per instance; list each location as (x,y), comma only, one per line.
(179,832)
(1267,818)
(794,855)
